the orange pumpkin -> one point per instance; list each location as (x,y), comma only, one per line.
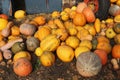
(104,46)
(103,55)
(116,51)
(4,16)
(79,19)
(89,14)
(22,67)
(40,20)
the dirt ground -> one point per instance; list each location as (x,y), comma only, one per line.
(59,71)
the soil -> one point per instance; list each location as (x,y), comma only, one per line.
(58,71)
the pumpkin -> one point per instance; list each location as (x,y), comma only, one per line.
(114,10)
(80,7)
(50,42)
(80,49)
(116,27)
(27,29)
(88,64)
(103,55)
(18,46)
(65,53)
(72,41)
(15,31)
(117,39)
(47,58)
(22,54)
(86,43)
(42,33)
(4,16)
(89,14)
(91,29)
(72,31)
(59,23)
(32,43)
(22,67)
(103,39)
(79,19)
(55,14)
(104,46)
(116,51)
(40,20)
(62,33)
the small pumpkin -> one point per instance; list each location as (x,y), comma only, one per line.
(117,39)
(116,51)
(62,33)
(50,43)
(42,33)
(65,53)
(27,29)
(3,23)
(104,46)
(79,19)
(114,10)
(47,58)
(40,20)
(32,43)
(88,64)
(15,31)
(18,46)
(72,41)
(116,27)
(22,67)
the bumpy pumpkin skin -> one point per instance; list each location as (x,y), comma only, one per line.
(88,64)
(50,43)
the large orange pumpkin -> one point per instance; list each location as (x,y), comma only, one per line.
(116,51)
(22,67)
(79,19)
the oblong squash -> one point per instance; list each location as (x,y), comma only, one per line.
(50,43)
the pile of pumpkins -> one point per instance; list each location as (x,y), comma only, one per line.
(72,33)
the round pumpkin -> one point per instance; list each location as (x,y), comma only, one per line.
(103,55)
(42,33)
(22,67)
(72,41)
(32,43)
(79,19)
(104,46)
(18,46)
(88,64)
(3,23)
(27,29)
(116,51)
(103,39)
(116,27)
(47,58)
(117,39)
(65,53)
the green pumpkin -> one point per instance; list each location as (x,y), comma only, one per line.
(18,46)
(117,28)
